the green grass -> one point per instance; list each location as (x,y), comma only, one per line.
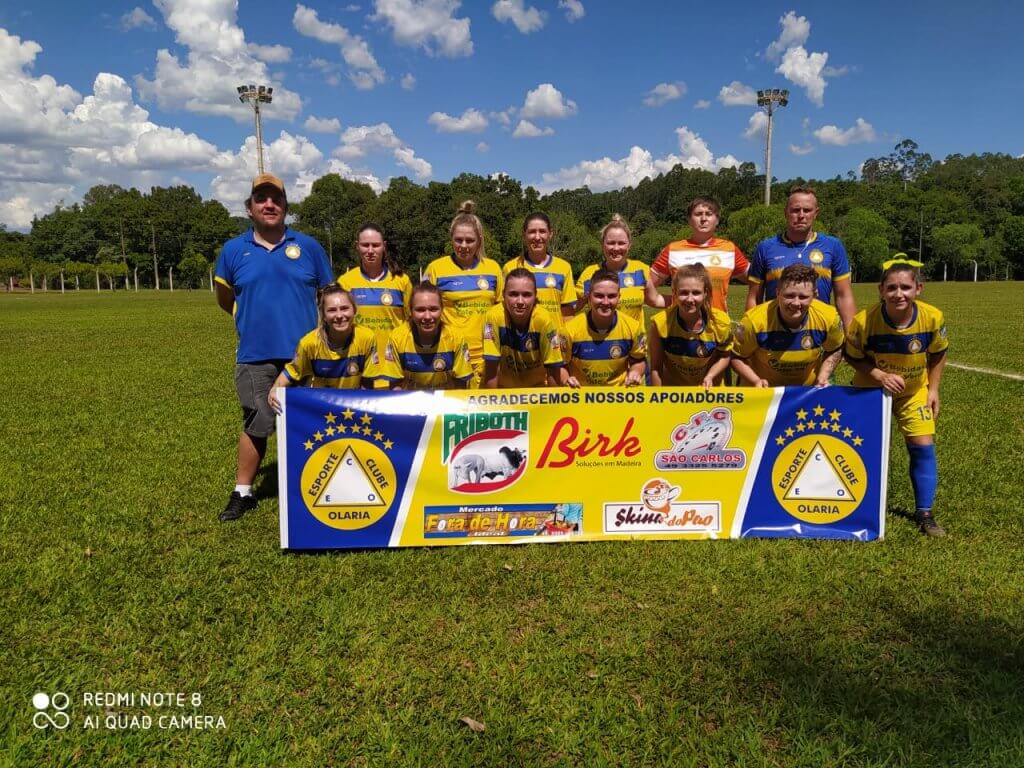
(120,423)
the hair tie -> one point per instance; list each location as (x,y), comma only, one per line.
(901,258)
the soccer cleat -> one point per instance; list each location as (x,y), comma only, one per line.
(927,525)
(237,506)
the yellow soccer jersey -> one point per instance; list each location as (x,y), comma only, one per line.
(786,357)
(521,355)
(555,288)
(903,351)
(632,284)
(602,358)
(325,367)
(466,296)
(688,354)
(421,366)
(382,304)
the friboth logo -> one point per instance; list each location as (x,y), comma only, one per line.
(485,452)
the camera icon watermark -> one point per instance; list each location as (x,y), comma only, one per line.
(44,703)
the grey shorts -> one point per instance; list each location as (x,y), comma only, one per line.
(253,382)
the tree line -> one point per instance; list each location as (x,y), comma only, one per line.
(949,214)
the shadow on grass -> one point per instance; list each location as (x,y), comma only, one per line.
(942,688)
(266,481)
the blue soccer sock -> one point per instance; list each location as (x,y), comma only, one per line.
(924,474)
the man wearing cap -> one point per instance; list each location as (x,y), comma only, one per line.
(267,279)
(800,244)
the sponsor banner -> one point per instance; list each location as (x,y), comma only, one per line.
(365,468)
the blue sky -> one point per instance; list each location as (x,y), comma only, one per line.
(554,92)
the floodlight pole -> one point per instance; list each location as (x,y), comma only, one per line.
(768,99)
(255,95)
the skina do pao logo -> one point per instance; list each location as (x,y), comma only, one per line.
(485,452)
(348,482)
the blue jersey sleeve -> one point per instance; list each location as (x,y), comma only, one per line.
(223,270)
(840,264)
(324,273)
(758,264)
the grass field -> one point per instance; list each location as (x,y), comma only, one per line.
(120,422)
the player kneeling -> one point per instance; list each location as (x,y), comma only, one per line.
(338,353)
(604,347)
(793,340)
(900,345)
(691,341)
(424,353)
(521,343)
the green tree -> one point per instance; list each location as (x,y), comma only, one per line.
(957,244)
(333,211)
(749,226)
(1013,241)
(192,270)
(869,240)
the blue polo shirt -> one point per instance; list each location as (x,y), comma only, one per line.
(823,252)
(275,292)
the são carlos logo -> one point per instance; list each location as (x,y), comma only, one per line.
(819,476)
(348,481)
(485,452)
(702,443)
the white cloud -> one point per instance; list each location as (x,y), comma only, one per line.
(545,101)
(408,81)
(861,132)
(663,93)
(795,31)
(218,60)
(527,130)
(322,124)
(504,117)
(757,126)
(736,94)
(801,149)
(272,54)
(574,10)
(420,167)
(330,70)
(366,73)
(702,104)
(526,19)
(427,24)
(361,140)
(483,146)
(805,70)
(135,18)
(835,71)
(605,174)
(21,201)
(471,121)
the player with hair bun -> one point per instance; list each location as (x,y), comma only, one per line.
(470,283)
(633,275)
(900,345)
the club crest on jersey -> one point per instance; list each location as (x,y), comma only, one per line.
(914,346)
(628,281)
(353,368)
(550,282)
(387,299)
(293,252)
(482,284)
(715,260)
(806,341)
(702,350)
(702,443)
(439,364)
(615,351)
(816,256)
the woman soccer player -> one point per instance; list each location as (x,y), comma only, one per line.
(424,353)
(556,292)
(379,286)
(521,343)
(336,354)
(604,348)
(721,258)
(690,341)
(470,283)
(633,275)
(900,345)
(793,340)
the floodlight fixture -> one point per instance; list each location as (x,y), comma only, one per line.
(769,99)
(256,95)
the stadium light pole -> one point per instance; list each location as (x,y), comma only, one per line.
(256,95)
(768,99)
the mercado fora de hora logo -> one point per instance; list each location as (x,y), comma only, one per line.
(819,476)
(348,481)
(485,452)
